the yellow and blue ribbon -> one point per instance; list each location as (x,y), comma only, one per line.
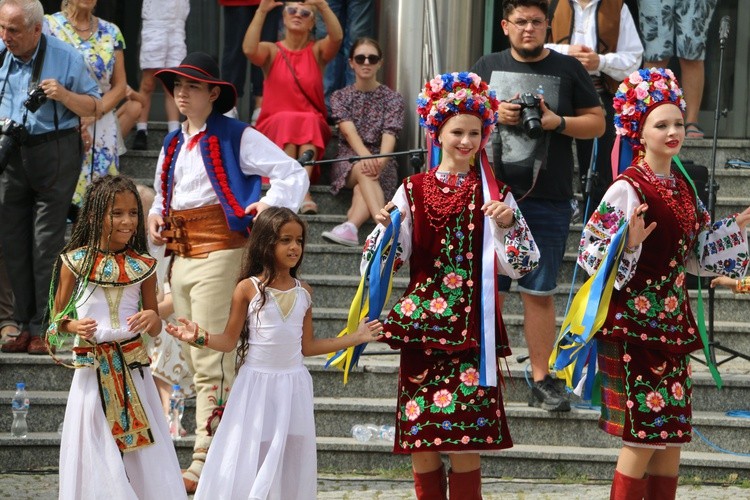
(574,348)
(378,279)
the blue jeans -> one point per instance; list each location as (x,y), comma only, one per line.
(233,60)
(549,222)
(357,18)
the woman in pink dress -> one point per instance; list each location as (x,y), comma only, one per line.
(294,113)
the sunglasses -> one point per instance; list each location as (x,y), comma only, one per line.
(303,13)
(371,59)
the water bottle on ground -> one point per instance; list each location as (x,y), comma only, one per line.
(371,432)
(20,407)
(176,410)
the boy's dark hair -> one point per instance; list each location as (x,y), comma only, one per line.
(510,5)
(87,231)
(259,258)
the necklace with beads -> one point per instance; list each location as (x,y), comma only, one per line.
(676,195)
(444,202)
(90,29)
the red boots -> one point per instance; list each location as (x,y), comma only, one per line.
(627,488)
(465,485)
(431,485)
(661,488)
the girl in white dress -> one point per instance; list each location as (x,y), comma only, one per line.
(115,441)
(264,447)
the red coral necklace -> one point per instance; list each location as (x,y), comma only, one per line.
(444,202)
(675,193)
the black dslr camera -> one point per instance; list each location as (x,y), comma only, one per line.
(531,114)
(36,98)
(12,135)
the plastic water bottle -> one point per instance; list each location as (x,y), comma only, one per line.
(365,432)
(20,407)
(371,432)
(176,410)
(387,433)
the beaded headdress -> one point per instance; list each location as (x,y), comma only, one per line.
(641,92)
(450,94)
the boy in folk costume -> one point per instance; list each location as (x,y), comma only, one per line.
(208,188)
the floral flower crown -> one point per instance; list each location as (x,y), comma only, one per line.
(450,94)
(641,91)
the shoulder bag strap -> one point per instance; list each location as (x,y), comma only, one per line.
(296,80)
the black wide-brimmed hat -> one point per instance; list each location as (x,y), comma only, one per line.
(201,67)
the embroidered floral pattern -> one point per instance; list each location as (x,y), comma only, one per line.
(659,405)
(449,408)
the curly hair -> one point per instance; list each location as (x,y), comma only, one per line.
(259,259)
(87,232)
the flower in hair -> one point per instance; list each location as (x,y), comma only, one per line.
(638,93)
(454,93)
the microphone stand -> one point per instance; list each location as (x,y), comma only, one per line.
(415,158)
(714,345)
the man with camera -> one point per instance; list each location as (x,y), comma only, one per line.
(44,87)
(548,100)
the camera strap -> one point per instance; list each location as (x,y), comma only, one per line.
(36,72)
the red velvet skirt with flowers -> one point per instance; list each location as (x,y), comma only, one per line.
(646,393)
(442,407)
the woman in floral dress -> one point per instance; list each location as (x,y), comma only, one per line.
(101,44)
(644,345)
(460,227)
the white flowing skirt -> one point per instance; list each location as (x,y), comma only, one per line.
(264,447)
(91,465)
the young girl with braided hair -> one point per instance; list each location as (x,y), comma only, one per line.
(265,445)
(115,440)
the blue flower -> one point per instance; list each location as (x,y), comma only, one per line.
(414,430)
(459,235)
(447,425)
(459,258)
(618,316)
(659,421)
(682,419)
(481,421)
(653,323)
(435,328)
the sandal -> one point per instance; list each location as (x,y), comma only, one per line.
(309,207)
(693,131)
(9,333)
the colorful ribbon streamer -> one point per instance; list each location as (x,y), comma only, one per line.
(378,278)
(573,348)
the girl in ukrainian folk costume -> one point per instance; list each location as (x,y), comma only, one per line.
(644,345)
(460,227)
(115,440)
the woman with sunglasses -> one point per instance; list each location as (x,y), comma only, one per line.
(370,117)
(294,113)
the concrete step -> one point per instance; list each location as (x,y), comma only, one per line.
(376,376)
(339,290)
(41,450)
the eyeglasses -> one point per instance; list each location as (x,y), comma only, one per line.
(521,24)
(371,59)
(303,13)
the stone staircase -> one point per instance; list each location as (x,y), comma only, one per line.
(547,445)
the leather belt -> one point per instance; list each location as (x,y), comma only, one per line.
(196,232)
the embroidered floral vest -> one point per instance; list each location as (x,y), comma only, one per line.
(653,309)
(441,306)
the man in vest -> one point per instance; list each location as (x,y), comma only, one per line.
(208,187)
(602,35)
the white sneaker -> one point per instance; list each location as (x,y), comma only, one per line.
(343,234)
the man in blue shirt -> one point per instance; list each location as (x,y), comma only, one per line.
(41,151)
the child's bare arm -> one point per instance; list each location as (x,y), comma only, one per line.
(147,319)
(166,306)
(366,332)
(737,286)
(189,331)
(85,327)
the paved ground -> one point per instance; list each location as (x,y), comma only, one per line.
(335,487)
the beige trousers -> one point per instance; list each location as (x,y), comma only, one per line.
(202,292)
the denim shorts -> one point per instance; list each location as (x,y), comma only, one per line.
(549,221)
(675,28)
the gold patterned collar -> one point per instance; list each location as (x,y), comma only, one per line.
(122,268)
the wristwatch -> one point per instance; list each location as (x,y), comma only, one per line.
(561,127)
